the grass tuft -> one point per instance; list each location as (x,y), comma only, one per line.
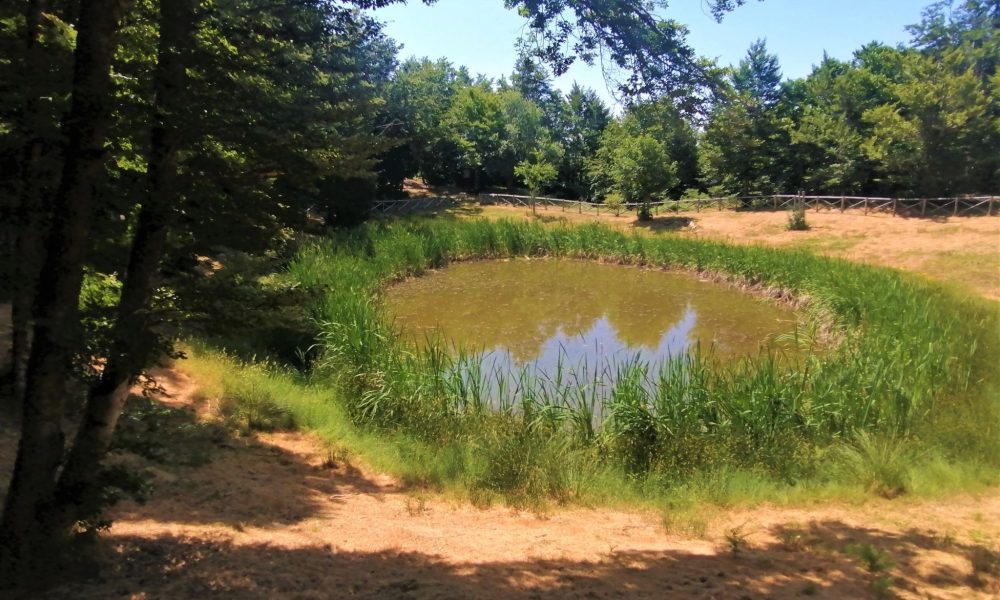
(880,463)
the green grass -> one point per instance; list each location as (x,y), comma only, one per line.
(905,402)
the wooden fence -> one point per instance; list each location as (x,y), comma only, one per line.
(922,207)
(405,205)
(909,207)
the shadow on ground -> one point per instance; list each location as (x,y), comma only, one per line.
(665,223)
(178,567)
(196,469)
(204,472)
(247,482)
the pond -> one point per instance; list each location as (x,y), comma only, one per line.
(581,316)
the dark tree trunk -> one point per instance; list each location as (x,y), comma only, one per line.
(31,217)
(132,338)
(25,538)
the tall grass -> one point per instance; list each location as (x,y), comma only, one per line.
(912,362)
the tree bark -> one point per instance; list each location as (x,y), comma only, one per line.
(133,339)
(31,218)
(25,538)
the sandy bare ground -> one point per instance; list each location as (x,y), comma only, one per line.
(270,517)
(961,250)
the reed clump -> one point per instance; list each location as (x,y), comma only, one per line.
(912,361)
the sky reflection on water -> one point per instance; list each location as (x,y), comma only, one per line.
(583,317)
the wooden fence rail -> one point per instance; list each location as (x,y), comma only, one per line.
(967,205)
(413,204)
(921,207)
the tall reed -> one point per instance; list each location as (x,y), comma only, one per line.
(911,361)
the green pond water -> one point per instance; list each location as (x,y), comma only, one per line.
(547,315)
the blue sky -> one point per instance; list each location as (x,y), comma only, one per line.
(480,34)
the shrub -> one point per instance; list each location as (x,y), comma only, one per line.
(521,463)
(873,559)
(615,202)
(880,463)
(797,219)
(251,407)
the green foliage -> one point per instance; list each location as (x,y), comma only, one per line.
(797,219)
(252,408)
(906,350)
(98,299)
(420,95)
(876,562)
(935,137)
(637,167)
(615,203)
(880,463)
(476,121)
(536,175)
(837,159)
(758,76)
(871,557)
(653,51)
(901,121)
(745,147)
(641,172)
(521,464)
(584,118)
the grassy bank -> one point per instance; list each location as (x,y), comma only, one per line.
(905,401)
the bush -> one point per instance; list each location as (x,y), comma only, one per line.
(522,464)
(881,464)
(251,407)
(797,219)
(615,202)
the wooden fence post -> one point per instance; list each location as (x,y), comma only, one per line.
(923,206)
(955,213)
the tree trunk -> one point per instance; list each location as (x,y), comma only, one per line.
(132,339)
(31,218)
(25,538)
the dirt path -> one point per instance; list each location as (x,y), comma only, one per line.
(269,517)
(962,250)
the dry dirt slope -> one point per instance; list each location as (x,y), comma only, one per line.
(268,517)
